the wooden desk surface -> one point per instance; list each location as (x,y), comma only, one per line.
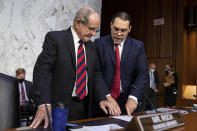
(190,123)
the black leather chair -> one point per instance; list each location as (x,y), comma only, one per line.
(9,102)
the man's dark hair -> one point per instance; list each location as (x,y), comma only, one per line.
(123,16)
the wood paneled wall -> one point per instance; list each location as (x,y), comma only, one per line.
(189,51)
(163,44)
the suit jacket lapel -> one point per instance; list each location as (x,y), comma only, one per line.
(27,89)
(89,60)
(125,51)
(70,44)
(111,51)
(88,57)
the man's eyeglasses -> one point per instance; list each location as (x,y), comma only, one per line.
(121,30)
(91,29)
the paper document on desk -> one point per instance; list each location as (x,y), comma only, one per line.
(165,109)
(124,118)
(159,110)
(107,127)
(171,109)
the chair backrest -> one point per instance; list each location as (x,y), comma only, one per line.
(9,102)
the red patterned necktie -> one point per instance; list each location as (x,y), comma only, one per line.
(81,72)
(115,90)
(22,92)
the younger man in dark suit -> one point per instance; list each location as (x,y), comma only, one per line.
(122,63)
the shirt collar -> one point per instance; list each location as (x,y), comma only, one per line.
(75,36)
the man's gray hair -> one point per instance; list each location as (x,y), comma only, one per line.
(84,13)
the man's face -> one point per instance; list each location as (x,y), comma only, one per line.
(21,76)
(167,68)
(152,66)
(119,30)
(86,31)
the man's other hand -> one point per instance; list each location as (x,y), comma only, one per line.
(22,103)
(130,106)
(41,115)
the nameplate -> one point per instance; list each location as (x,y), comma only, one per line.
(158,121)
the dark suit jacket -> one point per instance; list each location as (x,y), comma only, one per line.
(55,70)
(133,70)
(29,89)
(30,105)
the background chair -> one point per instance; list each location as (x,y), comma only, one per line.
(9,102)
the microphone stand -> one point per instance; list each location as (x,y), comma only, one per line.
(149,101)
(49,119)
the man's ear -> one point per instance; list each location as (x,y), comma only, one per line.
(130,27)
(110,24)
(77,23)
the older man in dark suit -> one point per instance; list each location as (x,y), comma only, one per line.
(65,69)
(123,65)
(152,87)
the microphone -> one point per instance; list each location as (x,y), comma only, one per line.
(149,101)
(49,118)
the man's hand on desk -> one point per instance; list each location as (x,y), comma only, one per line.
(130,106)
(41,115)
(104,105)
(115,104)
(22,103)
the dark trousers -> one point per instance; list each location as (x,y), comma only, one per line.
(170,96)
(78,109)
(28,108)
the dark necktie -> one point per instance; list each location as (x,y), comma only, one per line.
(22,92)
(115,90)
(81,72)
